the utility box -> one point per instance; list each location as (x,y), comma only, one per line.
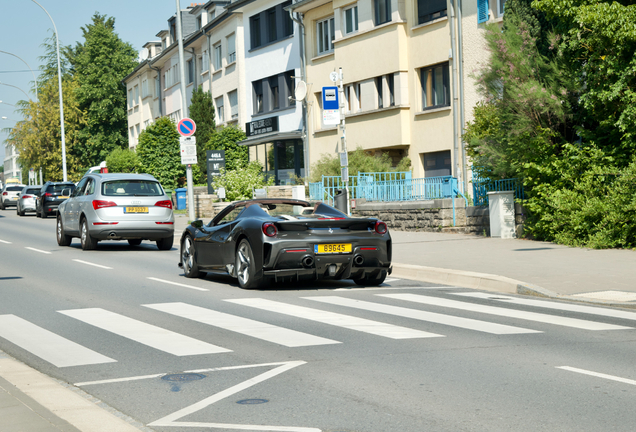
(340,200)
(501,206)
(181,198)
(298,192)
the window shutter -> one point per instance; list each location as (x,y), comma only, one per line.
(482,11)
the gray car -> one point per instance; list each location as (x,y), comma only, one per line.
(27,199)
(9,195)
(131,207)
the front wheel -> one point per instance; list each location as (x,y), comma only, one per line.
(244,264)
(188,258)
(62,238)
(88,242)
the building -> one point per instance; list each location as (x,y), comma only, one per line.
(12,168)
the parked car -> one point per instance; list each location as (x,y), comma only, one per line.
(27,199)
(9,195)
(51,196)
(262,240)
(131,207)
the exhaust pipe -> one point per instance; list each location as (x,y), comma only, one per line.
(112,235)
(308,261)
(358,260)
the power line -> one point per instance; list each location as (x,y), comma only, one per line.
(15,71)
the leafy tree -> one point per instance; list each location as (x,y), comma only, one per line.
(122,161)
(202,112)
(159,153)
(99,65)
(359,161)
(226,139)
(240,182)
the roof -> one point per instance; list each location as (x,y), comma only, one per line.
(123,176)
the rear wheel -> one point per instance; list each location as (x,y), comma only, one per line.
(62,238)
(88,242)
(1,205)
(371,282)
(134,242)
(165,243)
(17,210)
(43,214)
(244,265)
(188,258)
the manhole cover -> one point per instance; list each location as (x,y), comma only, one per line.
(183,377)
(252,401)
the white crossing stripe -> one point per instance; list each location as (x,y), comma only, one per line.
(147,334)
(598,375)
(511,313)
(592,310)
(349,322)
(256,329)
(47,345)
(449,320)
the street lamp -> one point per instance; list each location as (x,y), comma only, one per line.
(59,79)
(9,85)
(33,73)
(7,103)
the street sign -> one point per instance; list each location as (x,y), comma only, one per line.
(216,161)
(330,107)
(188,147)
(186,127)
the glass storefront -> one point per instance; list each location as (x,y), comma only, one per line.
(283,160)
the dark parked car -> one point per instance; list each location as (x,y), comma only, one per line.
(263,240)
(51,196)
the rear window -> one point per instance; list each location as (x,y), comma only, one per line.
(32,191)
(131,188)
(14,188)
(59,188)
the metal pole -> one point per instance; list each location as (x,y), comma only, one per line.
(59,81)
(184,105)
(456,169)
(344,137)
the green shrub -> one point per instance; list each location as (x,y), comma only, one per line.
(239,183)
(122,161)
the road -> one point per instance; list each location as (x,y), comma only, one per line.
(122,324)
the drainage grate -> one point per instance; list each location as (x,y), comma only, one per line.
(252,401)
(183,377)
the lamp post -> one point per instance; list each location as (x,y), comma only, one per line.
(9,85)
(59,79)
(33,73)
(7,103)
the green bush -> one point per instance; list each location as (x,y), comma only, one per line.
(240,182)
(122,161)
(226,139)
(359,161)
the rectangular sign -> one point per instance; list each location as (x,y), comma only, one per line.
(330,98)
(262,126)
(216,161)
(188,149)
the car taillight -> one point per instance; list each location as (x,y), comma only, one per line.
(380,227)
(48,194)
(5,193)
(165,203)
(269,229)
(27,196)
(97,204)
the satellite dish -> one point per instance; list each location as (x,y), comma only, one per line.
(143,54)
(301,90)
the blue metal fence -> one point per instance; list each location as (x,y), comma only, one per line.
(482,186)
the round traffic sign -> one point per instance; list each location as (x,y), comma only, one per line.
(186,127)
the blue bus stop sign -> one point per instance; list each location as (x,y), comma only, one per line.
(330,98)
(186,127)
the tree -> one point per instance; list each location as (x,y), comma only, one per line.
(159,153)
(359,161)
(99,65)
(240,182)
(226,139)
(202,112)
(122,161)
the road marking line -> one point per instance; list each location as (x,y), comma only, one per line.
(93,264)
(339,320)
(249,327)
(177,284)
(593,310)
(509,313)
(38,250)
(449,320)
(6,242)
(146,334)
(598,375)
(391,280)
(171,420)
(47,345)
(361,288)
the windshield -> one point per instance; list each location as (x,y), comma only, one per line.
(131,188)
(60,187)
(14,188)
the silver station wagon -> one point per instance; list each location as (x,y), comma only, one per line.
(131,207)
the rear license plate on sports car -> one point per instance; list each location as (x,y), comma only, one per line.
(332,248)
(135,209)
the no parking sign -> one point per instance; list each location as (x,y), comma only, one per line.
(187,127)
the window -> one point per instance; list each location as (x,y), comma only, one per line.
(190,66)
(233,97)
(231,48)
(358,90)
(435,86)
(378,86)
(437,164)
(136,95)
(158,85)
(218,57)
(482,11)
(132,132)
(258,96)
(348,91)
(199,22)
(146,123)
(273,92)
(429,10)
(500,7)
(137,129)
(325,35)
(130,99)
(351,19)
(274,102)
(144,88)
(382,11)
(171,76)
(219,109)
(205,61)
(390,83)
(270,25)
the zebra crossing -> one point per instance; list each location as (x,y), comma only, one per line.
(63,352)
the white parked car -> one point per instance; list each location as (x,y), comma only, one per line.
(9,195)
(27,199)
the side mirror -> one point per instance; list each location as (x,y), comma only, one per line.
(197,223)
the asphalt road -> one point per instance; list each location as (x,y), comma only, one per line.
(124,325)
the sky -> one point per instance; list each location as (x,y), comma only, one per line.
(24,26)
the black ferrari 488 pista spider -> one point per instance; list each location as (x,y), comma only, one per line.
(282,240)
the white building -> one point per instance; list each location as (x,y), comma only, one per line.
(11,167)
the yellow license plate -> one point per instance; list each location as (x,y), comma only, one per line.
(136,210)
(332,248)
(62,197)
